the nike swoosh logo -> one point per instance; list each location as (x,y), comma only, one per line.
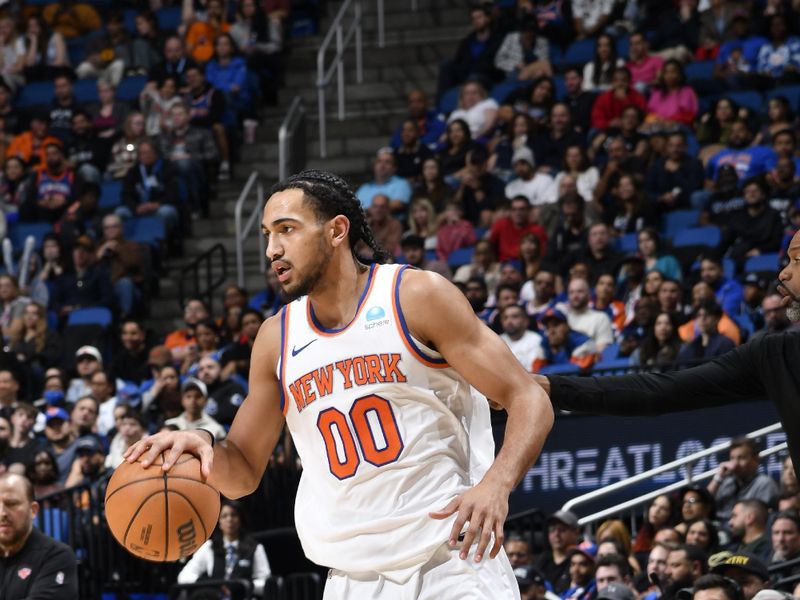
(296,350)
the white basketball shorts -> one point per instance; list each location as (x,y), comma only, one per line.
(444,577)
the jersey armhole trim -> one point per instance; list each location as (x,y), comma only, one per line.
(282,370)
(402,328)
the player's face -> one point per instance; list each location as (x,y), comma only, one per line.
(16,512)
(297,243)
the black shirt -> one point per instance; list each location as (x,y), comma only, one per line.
(43,569)
(556,574)
(765,366)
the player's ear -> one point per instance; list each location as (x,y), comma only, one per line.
(339,229)
(34,508)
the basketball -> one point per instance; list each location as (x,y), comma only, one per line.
(161,516)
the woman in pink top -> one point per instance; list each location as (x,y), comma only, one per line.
(672,101)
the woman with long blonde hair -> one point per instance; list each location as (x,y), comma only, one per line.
(423,221)
(33,342)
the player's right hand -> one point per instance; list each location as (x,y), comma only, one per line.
(172,444)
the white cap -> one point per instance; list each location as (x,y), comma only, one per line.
(89,351)
(193,382)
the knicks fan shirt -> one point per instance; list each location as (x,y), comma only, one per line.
(386,429)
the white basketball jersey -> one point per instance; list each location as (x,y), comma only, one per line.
(386,429)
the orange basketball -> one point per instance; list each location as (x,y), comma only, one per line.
(161,516)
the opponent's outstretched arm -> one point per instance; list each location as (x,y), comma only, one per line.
(234,466)
(439,315)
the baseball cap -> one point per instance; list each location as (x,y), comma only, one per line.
(549,315)
(573,550)
(193,382)
(89,351)
(54,412)
(88,443)
(745,562)
(567,517)
(756,280)
(524,154)
(772,595)
(54,398)
(528,575)
(616,591)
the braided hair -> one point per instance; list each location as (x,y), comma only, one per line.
(329,195)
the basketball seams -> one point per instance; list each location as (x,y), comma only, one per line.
(166,514)
(178,477)
(194,508)
(136,514)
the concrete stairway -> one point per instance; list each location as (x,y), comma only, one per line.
(416,43)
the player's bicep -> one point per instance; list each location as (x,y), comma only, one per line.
(259,421)
(439,315)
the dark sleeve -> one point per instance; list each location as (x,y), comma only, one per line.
(217,109)
(51,353)
(732,377)
(58,577)
(105,289)
(129,193)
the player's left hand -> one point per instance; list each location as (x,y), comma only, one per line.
(485,507)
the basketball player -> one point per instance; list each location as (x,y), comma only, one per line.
(766,366)
(372,367)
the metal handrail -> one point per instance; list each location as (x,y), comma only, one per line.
(242,231)
(670,466)
(324,75)
(293,124)
(192,271)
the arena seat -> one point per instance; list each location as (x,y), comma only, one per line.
(449,100)
(700,70)
(502,90)
(627,243)
(556,55)
(698,236)
(145,230)
(462,256)
(616,366)
(748,98)
(763,263)
(37,93)
(676,220)
(110,195)
(568,369)
(610,352)
(790,92)
(86,91)
(579,52)
(18,233)
(130,88)
(94,315)
(169,18)
(623,45)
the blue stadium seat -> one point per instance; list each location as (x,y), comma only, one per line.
(449,100)
(748,98)
(18,233)
(38,93)
(169,18)
(96,315)
(77,51)
(692,145)
(568,369)
(561,87)
(130,88)
(129,15)
(580,52)
(676,220)
(86,91)
(110,195)
(698,236)
(790,92)
(764,262)
(145,230)
(54,522)
(616,366)
(746,326)
(623,44)
(431,255)
(502,90)
(610,352)
(462,256)
(699,70)
(627,243)
(556,55)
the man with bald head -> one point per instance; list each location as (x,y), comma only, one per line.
(764,367)
(583,318)
(430,124)
(32,565)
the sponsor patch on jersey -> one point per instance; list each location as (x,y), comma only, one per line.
(60,578)
(375,313)
(24,573)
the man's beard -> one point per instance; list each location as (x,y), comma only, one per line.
(793,311)
(672,587)
(307,283)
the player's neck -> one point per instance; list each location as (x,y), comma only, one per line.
(335,297)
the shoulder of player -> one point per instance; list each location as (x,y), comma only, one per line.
(425,294)
(418,285)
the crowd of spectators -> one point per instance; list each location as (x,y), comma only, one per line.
(625,172)
(744,526)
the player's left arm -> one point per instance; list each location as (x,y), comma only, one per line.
(439,315)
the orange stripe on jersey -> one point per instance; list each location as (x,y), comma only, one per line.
(320,330)
(284,344)
(405,334)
